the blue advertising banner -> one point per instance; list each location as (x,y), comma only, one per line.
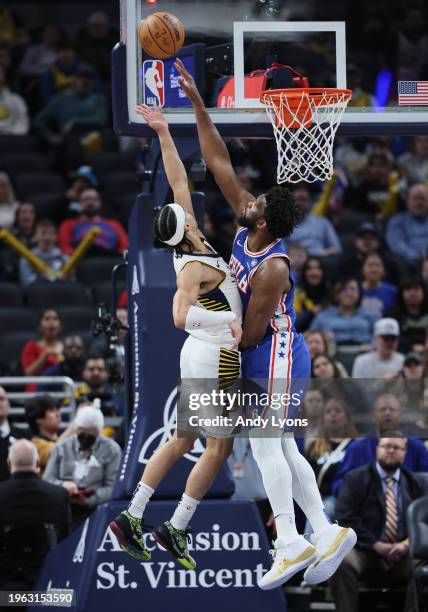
(229,545)
(155,354)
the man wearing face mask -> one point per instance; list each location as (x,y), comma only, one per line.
(111,240)
(85,464)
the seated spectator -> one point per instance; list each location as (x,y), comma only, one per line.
(315,233)
(373,500)
(13,110)
(84,178)
(39,57)
(414,163)
(378,296)
(46,250)
(62,73)
(420,428)
(327,451)
(8,433)
(386,417)
(298,256)
(28,506)
(312,410)
(24,226)
(349,323)
(96,385)
(384,361)
(112,239)
(8,203)
(368,241)
(411,312)
(409,388)
(374,195)
(37,355)
(318,344)
(72,364)
(77,109)
(407,232)
(95,42)
(312,293)
(85,464)
(44,419)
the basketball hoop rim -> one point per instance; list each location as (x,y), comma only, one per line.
(317,94)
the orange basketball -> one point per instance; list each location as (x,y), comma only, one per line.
(161,34)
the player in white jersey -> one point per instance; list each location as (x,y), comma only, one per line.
(207,305)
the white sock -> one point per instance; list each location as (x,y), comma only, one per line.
(184,512)
(140,499)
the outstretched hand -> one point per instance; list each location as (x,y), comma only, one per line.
(187,82)
(153,116)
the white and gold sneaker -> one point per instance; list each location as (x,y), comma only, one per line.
(288,561)
(332,546)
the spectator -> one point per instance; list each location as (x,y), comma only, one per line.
(368,241)
(72,364)
(324,368)
(411,311)
(373,500)
(327,451)
(46,250)
(13,110)
(78,109)
(409,387)
(384,360)
(407,232)
(312,411)
(40,57)
(24,226)
(37,355)
(112,239)
(377,295)
(62,74)
(8,433)
(386,417)
(96,41)
(44,419)
(312,293)
(8,203)
(28,506)
(96,385)
(420,428)
(85,464)
(349,323)
(315,233)
(83,179)
(414,163)
(318,344)
(298,256)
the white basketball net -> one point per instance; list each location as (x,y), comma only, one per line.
(304,132)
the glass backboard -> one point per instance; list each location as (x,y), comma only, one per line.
(230,43)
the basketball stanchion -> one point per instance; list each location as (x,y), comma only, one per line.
(305,121)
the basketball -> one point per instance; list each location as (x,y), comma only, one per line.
(161,34)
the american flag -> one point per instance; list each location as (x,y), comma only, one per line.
(413,93)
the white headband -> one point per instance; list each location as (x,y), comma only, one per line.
(180,215)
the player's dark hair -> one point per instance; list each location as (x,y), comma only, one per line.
(281,212)
(165,224)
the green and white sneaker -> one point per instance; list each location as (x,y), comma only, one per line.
(175,541)
(129,532)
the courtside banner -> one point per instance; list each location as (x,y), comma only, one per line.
(154,364)
(229,545)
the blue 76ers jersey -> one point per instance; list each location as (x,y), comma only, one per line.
(244,264)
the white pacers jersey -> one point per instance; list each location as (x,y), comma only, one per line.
(224,297)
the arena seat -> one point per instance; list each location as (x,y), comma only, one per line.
(14,163)
(103,292)
(10,355)
(96,269)
(17,320)
(118,183)
(44,295)
(10,294)
(111,162)
(31,183)
(16,144)
(48,204)
(76,317)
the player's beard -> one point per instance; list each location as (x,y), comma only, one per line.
(244,221)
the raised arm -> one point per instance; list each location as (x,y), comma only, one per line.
(213,149)
(187,316)
(268,285)
(174,168)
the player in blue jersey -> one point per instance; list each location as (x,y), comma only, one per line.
(272,350)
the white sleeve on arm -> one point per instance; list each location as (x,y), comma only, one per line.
(199,318)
